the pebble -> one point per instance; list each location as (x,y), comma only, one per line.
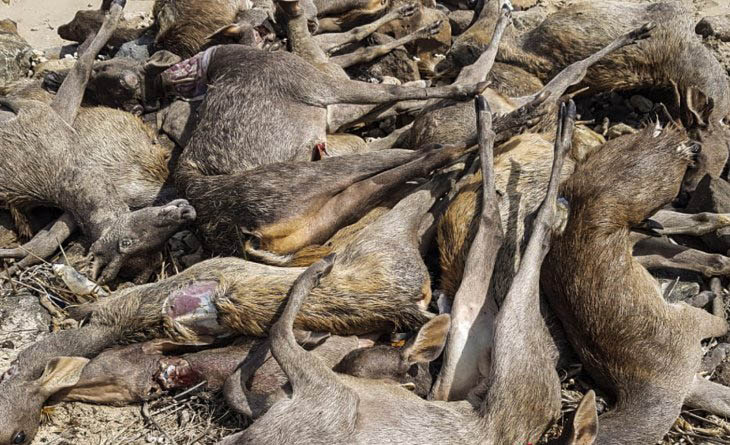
(183,418)
(641,103)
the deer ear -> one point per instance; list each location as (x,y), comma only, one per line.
(232,31)
(61,373)
(585,422)
(160,61)
(161,346)
(696,108)
(429,342)
(309,339)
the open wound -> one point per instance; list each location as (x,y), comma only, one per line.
(189,78)
(192,309)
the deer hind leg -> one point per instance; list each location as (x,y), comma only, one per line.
(709,396)
(654,253)
(42,245)
(361,196)
(333,42)
(706,324)
(363,55)
(675,223)
(69,96)
(314,385)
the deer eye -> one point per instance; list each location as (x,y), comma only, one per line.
(19,438)
(125,243)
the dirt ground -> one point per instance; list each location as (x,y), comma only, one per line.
(38,19)
(196,417)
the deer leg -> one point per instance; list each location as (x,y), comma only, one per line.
(87,341)
(311,380)
(390,140)
(471,302)
(479,70)
(234,389)
(363,195)
(656,253)
(43,244)
(506,126)
(366,54)
(302,42)
(698,224)
(519,325)
(707,324)
(574,73)
(68,98)
(337,91)
(333,42)
(307,374)
(709,396)
(344,116)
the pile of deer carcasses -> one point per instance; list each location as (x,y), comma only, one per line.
(370,222)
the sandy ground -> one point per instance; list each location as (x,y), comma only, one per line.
(38,19)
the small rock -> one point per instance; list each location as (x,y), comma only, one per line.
(193,258)
(723,374)
(616,98)
(191,241)
(183,418)
(641,103)
(717,26)
(139,49)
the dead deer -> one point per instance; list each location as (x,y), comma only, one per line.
(368,410)
(86,23)
(112,187)
(646,357)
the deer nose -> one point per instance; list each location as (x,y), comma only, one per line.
(696,148)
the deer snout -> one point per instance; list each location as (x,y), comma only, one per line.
(178,211)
